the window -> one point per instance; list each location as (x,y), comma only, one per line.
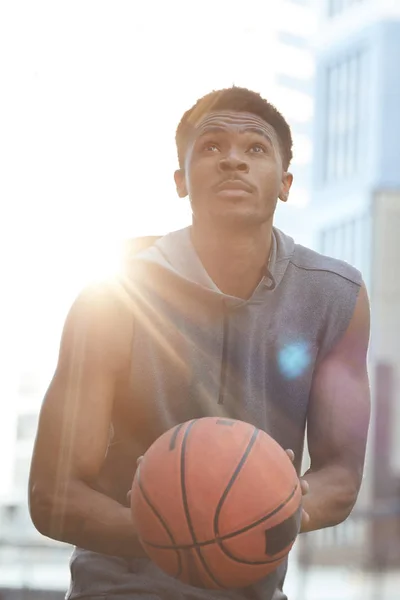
(349,241)
(345,82)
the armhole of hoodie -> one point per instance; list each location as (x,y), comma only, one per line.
(340,313)
(341,285)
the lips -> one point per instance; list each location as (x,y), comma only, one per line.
(234,184)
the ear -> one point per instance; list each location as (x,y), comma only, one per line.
(287,181)
(180,183)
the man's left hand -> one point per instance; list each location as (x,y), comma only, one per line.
(305,517)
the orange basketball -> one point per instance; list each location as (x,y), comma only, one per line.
(217,503)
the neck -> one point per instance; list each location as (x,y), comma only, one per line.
(235,260)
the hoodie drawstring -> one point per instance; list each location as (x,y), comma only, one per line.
(272,283)
(225,338)
(224,358)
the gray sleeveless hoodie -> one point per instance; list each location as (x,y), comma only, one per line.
(199,352)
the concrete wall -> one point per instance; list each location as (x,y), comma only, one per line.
(380,134)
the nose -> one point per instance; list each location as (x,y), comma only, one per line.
(233,162)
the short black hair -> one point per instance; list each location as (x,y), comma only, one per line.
(241,100)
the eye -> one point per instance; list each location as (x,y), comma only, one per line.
(210,147)
(258,148)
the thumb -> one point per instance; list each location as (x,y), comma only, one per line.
(129,494)
(290,454)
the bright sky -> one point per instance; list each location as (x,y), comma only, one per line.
(91,93)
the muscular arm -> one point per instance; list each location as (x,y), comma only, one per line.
(338,423)
(74,429)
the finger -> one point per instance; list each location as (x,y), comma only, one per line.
(305,517)
(139,460)
(305,487)
(290,454)
(128,496)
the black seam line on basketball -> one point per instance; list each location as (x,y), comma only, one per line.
(233,534)
(242,561)
(172,443)
(186,504)
(233,479)
(257,562)
(159,517)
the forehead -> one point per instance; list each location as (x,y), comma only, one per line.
(233,121)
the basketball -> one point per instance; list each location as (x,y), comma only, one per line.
(216,503)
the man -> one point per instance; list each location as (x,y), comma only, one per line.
(227,317)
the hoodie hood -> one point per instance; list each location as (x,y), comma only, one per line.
(176,253)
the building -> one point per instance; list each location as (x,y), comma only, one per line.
(356,206)
(294,83)
(32,566)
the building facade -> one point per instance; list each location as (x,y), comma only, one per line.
(294,81)
(356,206)
(32,566)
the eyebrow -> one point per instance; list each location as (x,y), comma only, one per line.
(219,129)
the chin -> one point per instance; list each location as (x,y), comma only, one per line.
(238,219)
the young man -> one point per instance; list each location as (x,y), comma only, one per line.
(227,317)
